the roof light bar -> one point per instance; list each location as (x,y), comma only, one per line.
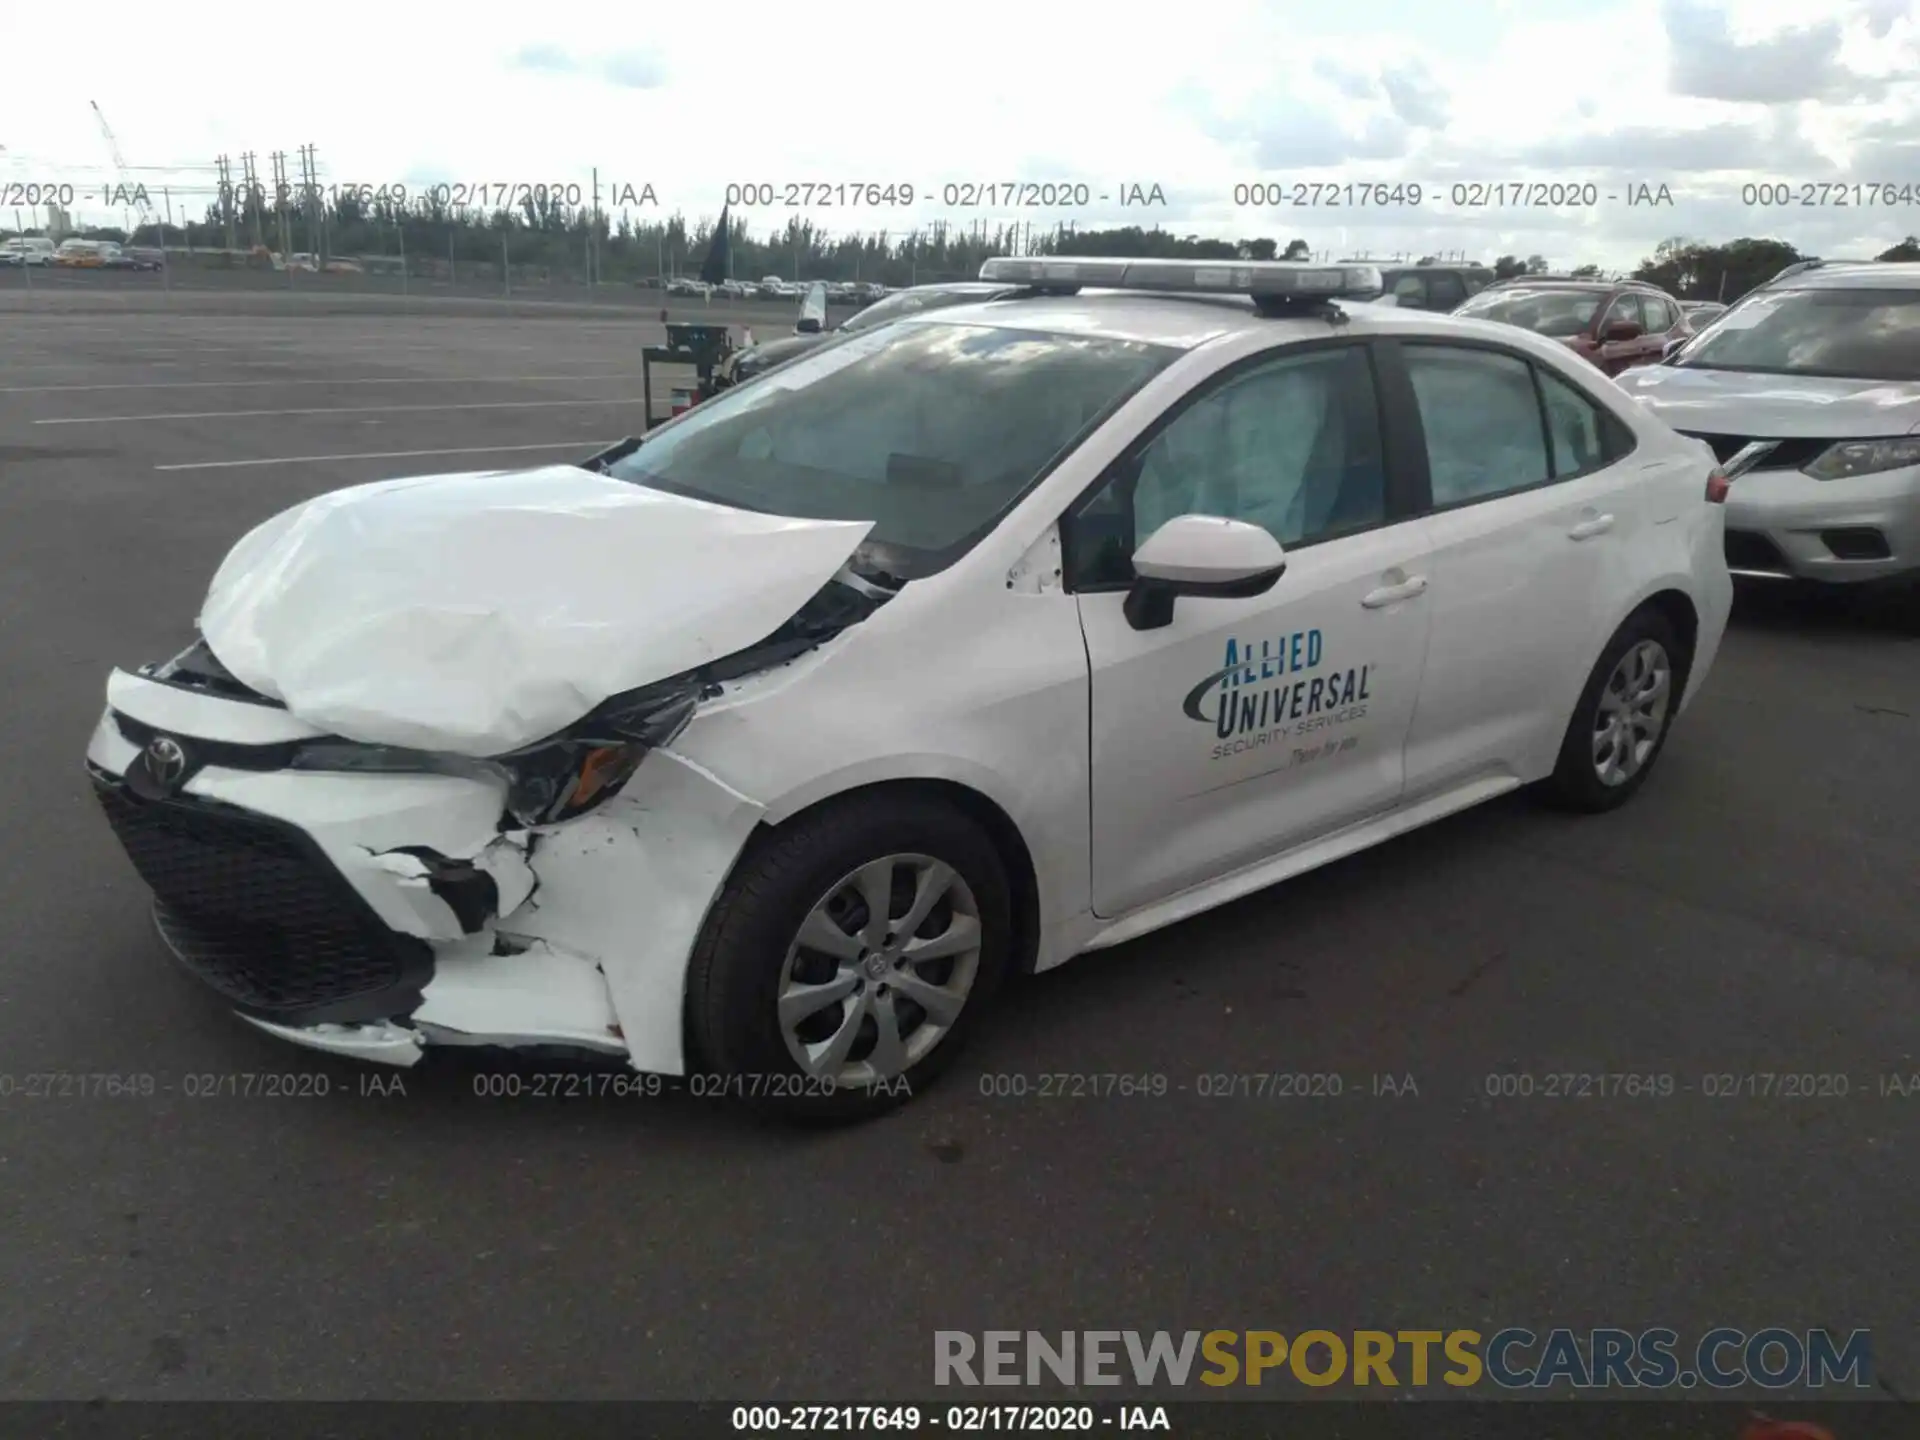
(1271,280)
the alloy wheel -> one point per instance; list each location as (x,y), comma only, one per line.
(880,970)
(1632,712)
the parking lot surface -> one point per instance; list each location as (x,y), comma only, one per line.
(1755,912)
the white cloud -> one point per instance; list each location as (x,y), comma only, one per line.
(1630,92)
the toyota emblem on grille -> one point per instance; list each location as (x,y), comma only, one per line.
(166,763)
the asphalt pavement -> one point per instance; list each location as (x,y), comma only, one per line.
(1756,911)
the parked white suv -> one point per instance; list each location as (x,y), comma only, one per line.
(27,250)
(1809,392)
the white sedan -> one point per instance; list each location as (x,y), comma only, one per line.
(765,748)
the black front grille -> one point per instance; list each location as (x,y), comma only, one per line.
(1785,455)
(252,907)
(1747,551)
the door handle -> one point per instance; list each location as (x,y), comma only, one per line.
(1590,527)
(1387,594)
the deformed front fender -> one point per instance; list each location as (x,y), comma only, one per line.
(631,885)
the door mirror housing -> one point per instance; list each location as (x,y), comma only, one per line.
(1204,556)
(813,310)
(1618,330)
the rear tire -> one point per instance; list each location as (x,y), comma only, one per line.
(800,1003)
(1624,715)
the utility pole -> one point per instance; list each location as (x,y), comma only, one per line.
(316,211)
(593,234)
(226,196)
(251,175)
(284,225)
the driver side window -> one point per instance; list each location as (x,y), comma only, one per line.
(1292,445)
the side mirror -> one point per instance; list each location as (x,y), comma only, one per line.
(1622,330)
(1673,346)
(813,310)
(1204,556)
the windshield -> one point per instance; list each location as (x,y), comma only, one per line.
(911,302)
(929,430)
(1844,334)
(1560,313)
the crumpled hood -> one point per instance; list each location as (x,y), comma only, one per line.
(477,613)
(1775,407)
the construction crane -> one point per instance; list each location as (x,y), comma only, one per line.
(138,196)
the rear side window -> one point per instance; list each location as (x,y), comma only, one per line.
(1481,415)
(1496,424)
(1410,291)
(1447,291)
(1582,434)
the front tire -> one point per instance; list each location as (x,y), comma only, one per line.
(849,956)
(1623,718)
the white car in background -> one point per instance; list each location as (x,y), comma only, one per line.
(1809,392)
(762,749)
(27,250)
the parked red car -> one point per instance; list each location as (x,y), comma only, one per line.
(1616,324)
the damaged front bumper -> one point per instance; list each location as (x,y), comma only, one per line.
(372,915)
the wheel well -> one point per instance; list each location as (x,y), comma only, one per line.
(1677,610)
(1011,846)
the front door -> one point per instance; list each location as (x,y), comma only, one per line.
(1247,727)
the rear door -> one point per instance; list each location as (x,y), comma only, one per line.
(1536,504)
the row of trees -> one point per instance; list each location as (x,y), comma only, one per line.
(543,234)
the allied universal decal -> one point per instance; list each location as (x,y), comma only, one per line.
(1277,689)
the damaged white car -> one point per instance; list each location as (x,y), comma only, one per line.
(765,747)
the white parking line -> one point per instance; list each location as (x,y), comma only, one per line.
(357,380)
(335,410)
(582,445)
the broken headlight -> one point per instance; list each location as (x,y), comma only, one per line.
(556,779)
(589,761)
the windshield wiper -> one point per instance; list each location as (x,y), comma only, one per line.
(865,580)
(603,462)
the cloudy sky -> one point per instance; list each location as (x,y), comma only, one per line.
(1695,95)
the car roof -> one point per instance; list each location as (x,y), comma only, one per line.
(1858,275)
(959,287)
(1186,322)
(1566,282)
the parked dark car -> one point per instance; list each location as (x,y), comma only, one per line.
(141,257)
(757,359)
(1616,324)
(1434,287)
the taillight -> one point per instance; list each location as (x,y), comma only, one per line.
(1717,487)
